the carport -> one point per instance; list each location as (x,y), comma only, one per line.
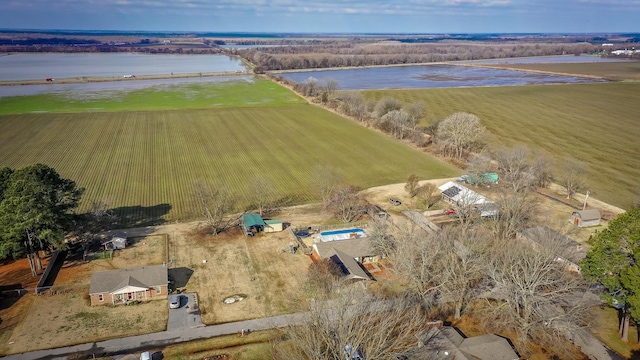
(252,224)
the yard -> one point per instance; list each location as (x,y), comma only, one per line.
(260,268)
(63,315)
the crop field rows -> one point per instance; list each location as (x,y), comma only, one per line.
(145,163)
(594,123)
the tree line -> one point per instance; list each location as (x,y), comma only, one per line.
(347,54)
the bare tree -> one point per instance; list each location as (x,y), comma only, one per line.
(514,165)
(534,295)
(326,180)
(542,169)
(214,202)
(478,165)
(442,268)
(459,133)
(330,86)
(573,177)
(413,182)
(378,233)
(347,204)
(516,211)
(261,190)
(322,279)
(386,105)
(416,112)
(356,325)
(427,195)
(353,104)
(397,122)
(98,218)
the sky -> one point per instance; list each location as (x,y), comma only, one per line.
(328,16)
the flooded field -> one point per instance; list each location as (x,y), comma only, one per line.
(107,88)
(25,66)
(430,76)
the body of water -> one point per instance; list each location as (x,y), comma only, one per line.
(106,88)
(429,76)
(29,66)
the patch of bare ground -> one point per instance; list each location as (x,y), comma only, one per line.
(260,267)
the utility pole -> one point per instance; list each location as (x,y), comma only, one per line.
(584,206)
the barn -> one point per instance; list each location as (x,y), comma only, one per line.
(586,218)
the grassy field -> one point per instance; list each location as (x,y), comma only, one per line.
(241,92)
(145,163)
(255,346)
(618,71)
(595,123)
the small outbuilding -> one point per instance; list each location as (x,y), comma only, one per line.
(273,225)
(252,224)
(117,241)
(586,218)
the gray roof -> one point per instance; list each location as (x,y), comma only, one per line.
(569,248)
(447,342)
(352,247)
(349,266)
(111,281)
(586,215)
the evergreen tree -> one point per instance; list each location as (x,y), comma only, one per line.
(35,209)
(613,262)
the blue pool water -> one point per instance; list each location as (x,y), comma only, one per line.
(346,234)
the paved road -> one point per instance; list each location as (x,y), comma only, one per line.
(160,339)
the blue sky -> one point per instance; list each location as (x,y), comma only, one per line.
(329,16)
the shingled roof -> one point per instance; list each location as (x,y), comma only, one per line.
(136,279)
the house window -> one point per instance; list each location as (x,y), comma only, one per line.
(118,296)
(158,290)
(100,298)
(139,294)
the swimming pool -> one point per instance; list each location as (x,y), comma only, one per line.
(345,234)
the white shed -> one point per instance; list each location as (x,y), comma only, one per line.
(586,218)
(273,226)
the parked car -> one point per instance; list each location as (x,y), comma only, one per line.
(395,201)
(174,301)
(145,356)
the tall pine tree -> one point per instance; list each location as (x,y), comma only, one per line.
(613,261)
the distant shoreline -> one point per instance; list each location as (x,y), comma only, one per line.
(94,79)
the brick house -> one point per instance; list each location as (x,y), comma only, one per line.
(122,286)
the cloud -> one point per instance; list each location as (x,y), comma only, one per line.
(410,7)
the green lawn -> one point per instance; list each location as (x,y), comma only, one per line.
(233,93)
(597,123)
(146,162)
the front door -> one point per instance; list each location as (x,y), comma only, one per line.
(130,296)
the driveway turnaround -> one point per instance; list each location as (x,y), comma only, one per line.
(160,339)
